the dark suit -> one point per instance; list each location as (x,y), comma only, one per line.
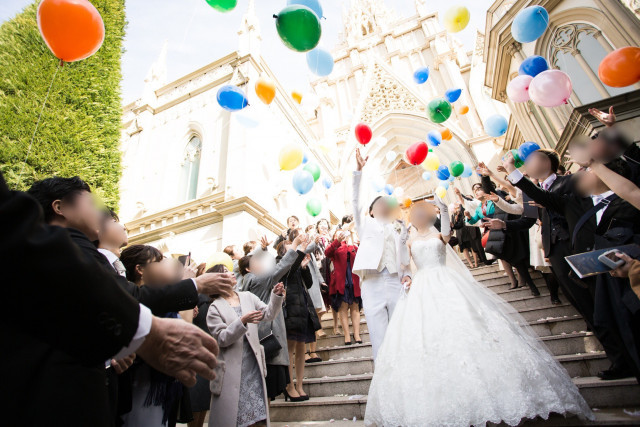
(596,311)
(61,321)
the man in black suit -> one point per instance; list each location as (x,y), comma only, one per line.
(52,368)
(591,210)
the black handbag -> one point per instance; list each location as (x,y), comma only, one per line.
(271,345)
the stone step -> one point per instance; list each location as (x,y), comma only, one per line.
(331,340)
(598,393)
(558,325)
(503,284)
(547,310)
(484,276)
(577,365)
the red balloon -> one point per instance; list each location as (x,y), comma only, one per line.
(72,29)
(417,153)
(363,133)
(484,239)
(621,67)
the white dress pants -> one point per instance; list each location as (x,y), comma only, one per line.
(380,292)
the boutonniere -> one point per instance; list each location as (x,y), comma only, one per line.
(397,227)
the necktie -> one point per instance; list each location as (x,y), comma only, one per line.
(119,266)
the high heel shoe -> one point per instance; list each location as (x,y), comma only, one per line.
(514,286)
(358,341)
(304,396)
(534,291)
(287,397)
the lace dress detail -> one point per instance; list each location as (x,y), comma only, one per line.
(455,354)
(251,406)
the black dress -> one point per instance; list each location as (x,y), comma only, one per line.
(199,393)
(300,318)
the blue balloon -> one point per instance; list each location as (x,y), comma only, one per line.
(311,4)
(496,125)
(327,183)
(444,184)
(305,159)
(421,75)
(302,181)
(529,24)
(434,138)
(467,171)
(377,185)
(426,175)
(533,65)
(453,95)
(526,149)
(388,189)
(443,173)
(320,62)
(232,98)
(452,178)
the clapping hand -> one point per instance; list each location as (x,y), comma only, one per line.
(252,317)
(606,119)
(279,289)
(360,160)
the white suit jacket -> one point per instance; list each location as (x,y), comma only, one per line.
(371,234)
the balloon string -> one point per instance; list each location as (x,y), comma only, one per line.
(44,103)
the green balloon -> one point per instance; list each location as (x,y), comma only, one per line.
(457,168)
(314,170)
(517,158)
(298,27)
(314,207)
(223,5)
(439,110)
(392,202)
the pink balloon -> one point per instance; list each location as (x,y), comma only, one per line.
(550,88)
(518,88)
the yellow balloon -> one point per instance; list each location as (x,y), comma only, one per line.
(220,258)
(432,163)
(297,96)
(290,157)
(441,192)
(456,18)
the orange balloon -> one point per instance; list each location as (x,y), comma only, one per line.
(266,90)
(463,110)
(446,134)
(72,29)
(407,203)
(621,67)
(297,96)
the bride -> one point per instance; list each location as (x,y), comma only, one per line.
(455,354)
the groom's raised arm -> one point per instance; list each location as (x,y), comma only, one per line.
(358,215)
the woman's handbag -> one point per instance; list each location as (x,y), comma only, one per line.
(216,385)
(271,345)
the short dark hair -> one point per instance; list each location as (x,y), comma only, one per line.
(552,156)
(294,217)
(347,219)
(561,170)
(373,203)
(621,167)
(56,188)
(613,136)
(321,220)
(229,250)
(218,268)
(474,186)
(249,246)
(138,255)
(243,264)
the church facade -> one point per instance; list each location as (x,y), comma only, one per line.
(196,177)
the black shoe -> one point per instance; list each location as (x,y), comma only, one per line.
(556,301)
(535,292)
(348,343)
(313,360)
(490,261)
(359,342)
(514,286)
(293,399)
(614,374)
(304,396)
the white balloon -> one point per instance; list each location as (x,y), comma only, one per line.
(391,156)
(399,192)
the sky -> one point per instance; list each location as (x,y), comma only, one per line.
(197,35)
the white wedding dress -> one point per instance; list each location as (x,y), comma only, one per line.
(455,354)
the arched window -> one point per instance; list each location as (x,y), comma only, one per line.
(578,49)
(190,167)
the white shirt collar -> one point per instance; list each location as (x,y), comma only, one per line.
(600,197)
(111,257)
(550,180)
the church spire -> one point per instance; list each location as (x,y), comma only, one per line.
(366,17)
(249,32)
(421,7)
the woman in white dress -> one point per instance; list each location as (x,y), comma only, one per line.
(455,354)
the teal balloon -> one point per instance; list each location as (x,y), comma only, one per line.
(426,175)
(452,95)
(311,4)
(457,168)
(314,170)
(314,207)
(223,5)
(320,62)
(496,125)
(232,98)
(467,171)
(529,24)
(439,110)
(302,181)
(299,28)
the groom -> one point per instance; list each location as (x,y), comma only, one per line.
(382,261)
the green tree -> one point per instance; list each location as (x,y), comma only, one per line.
(79,131)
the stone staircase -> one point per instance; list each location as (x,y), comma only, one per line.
(338,386)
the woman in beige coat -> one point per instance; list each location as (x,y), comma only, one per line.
(239,392)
